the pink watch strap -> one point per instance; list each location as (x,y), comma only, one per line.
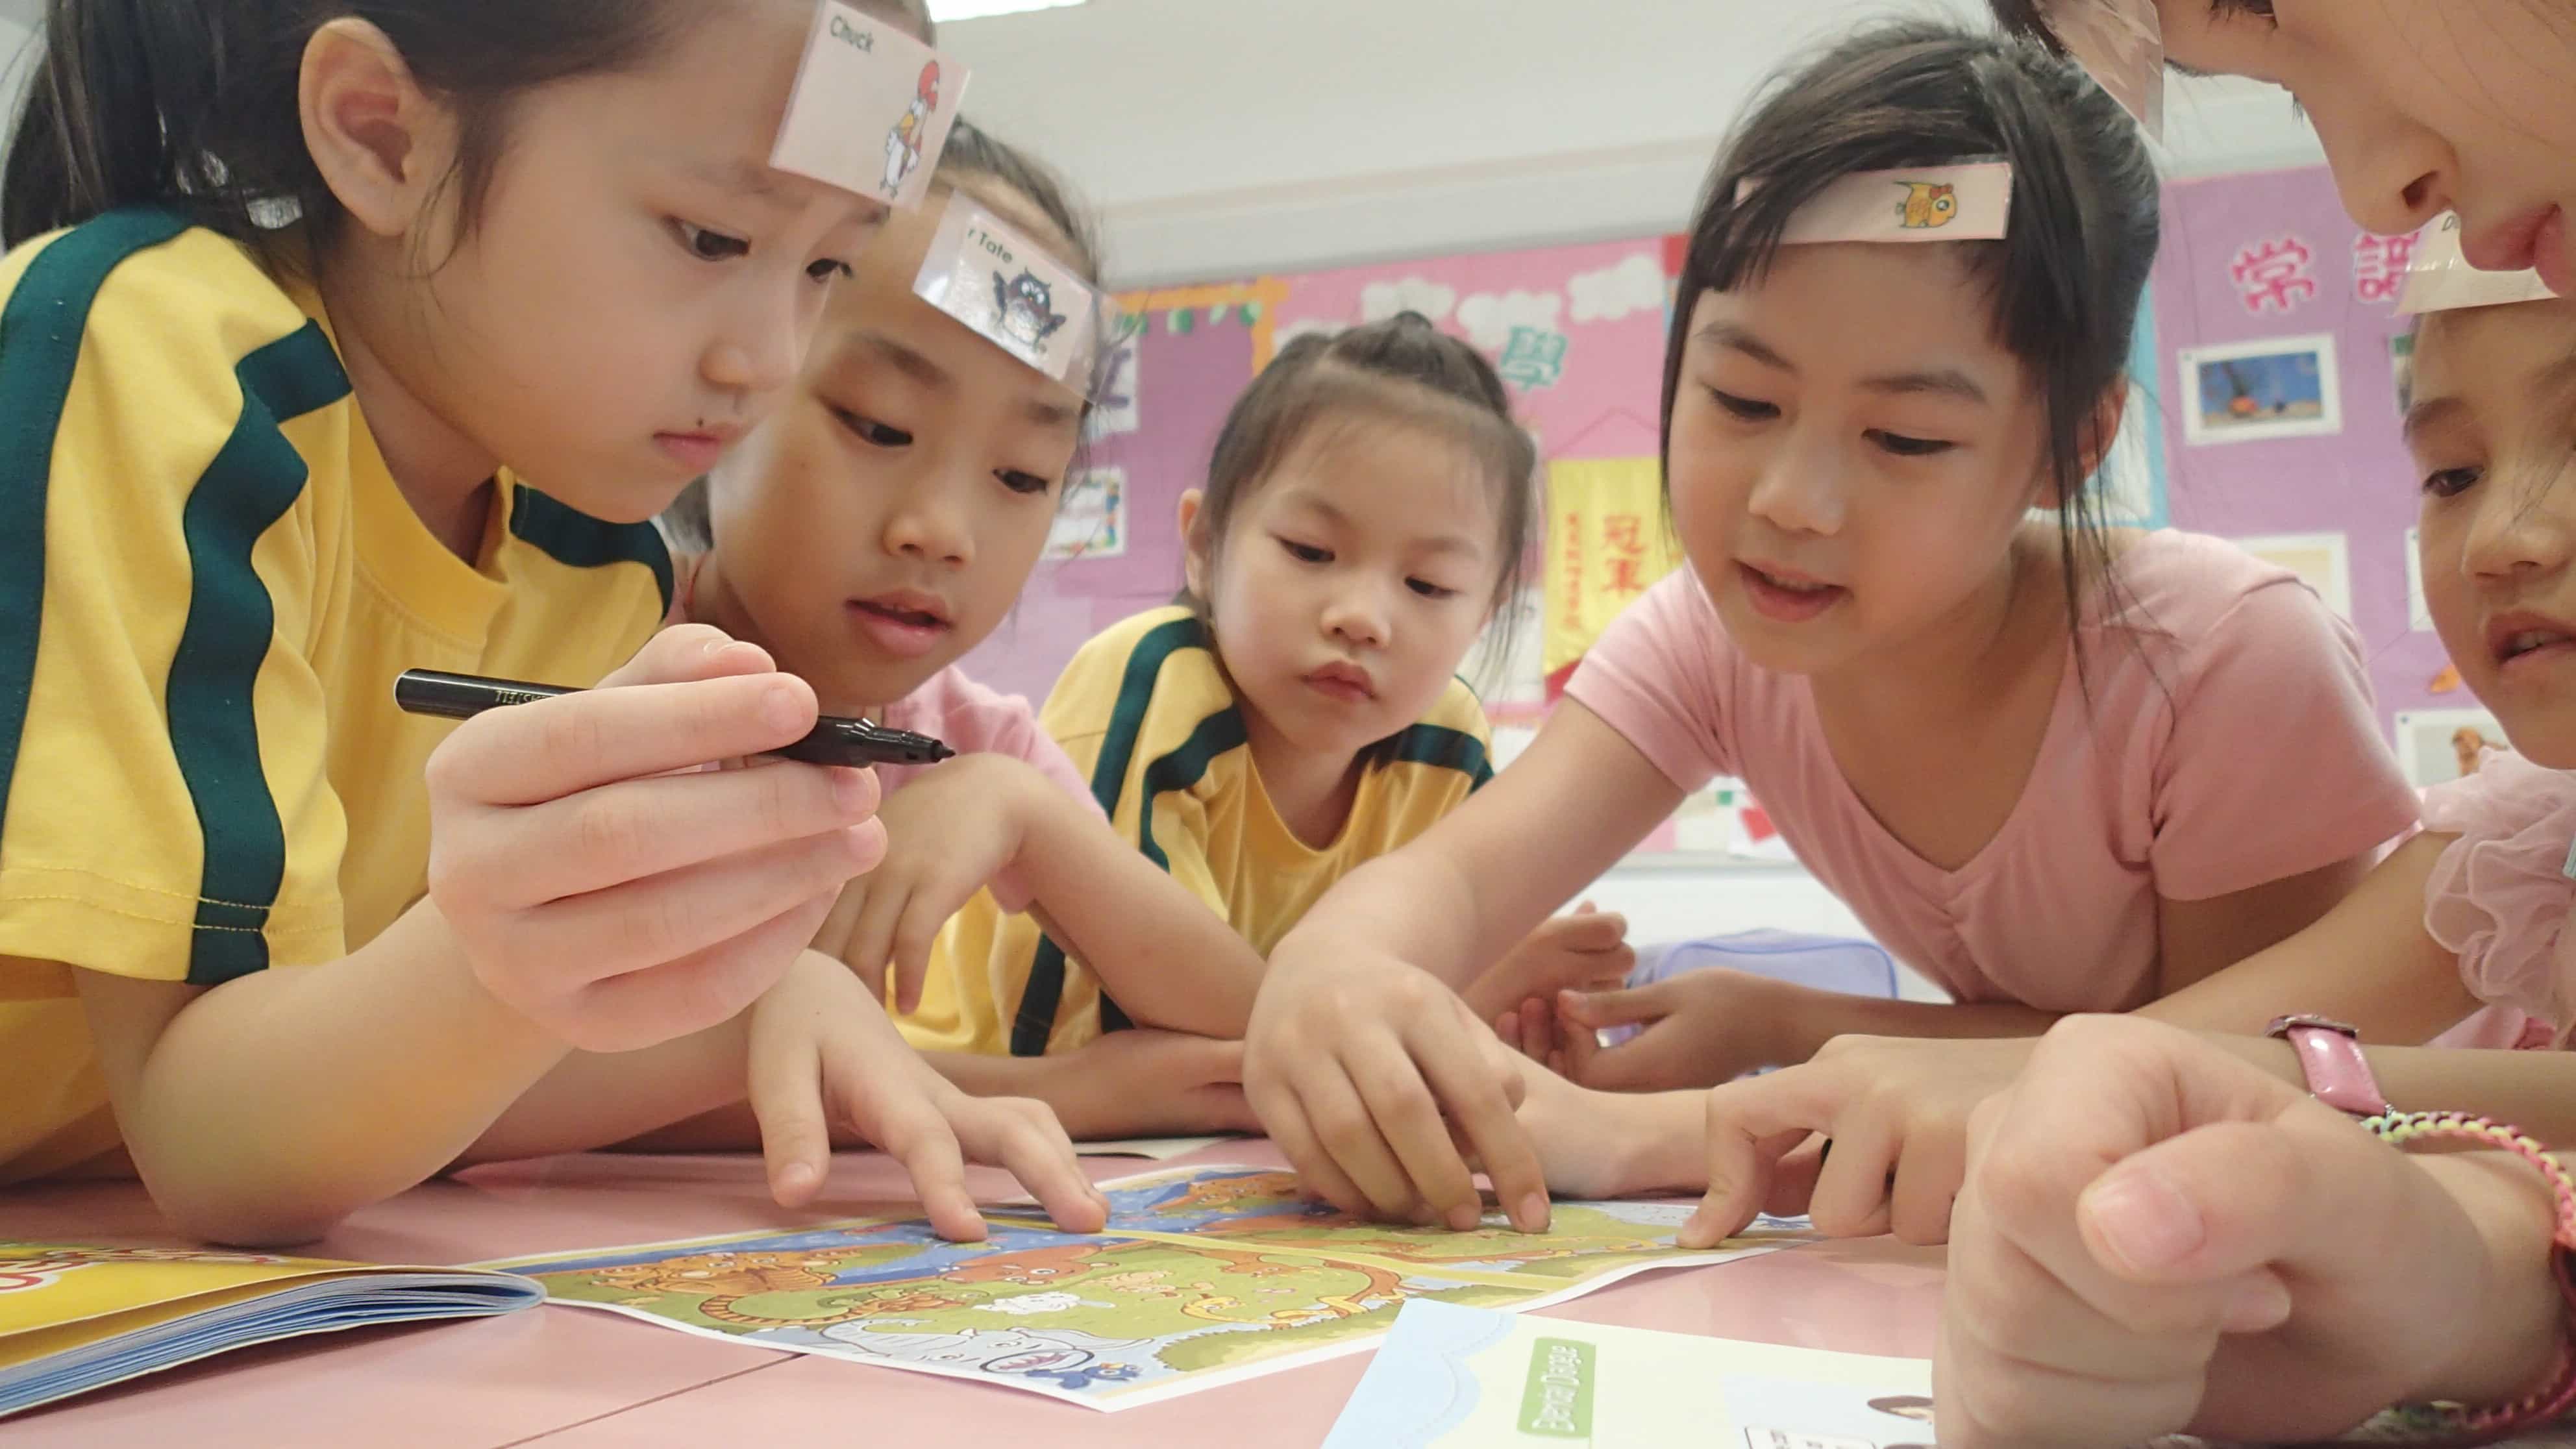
(2330,1056)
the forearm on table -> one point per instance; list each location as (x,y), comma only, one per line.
(1417,906)
(2368,962)
(2534,1091)
(1160,953)
(1816,1017)
(2514,1336)
(590,1101)
(268,1108)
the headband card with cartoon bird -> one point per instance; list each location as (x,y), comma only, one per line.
(871,109)
(1008,291)
(1969,201)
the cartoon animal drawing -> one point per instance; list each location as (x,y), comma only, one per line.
(1027,307)
(1928,204)
(1037,1267)
(1071,1358)
(1135,1285)
(1381,1291)
(1222,1194)
(903,143)
(727,1278)
(36,1268)
(2466,743)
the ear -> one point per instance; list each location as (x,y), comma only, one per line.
(1194,549)
(382,145)
(2102,429)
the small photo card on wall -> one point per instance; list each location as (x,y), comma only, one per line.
(2323,561)
(2436,746)
(2243,392)
(1091,521)
(2401,369)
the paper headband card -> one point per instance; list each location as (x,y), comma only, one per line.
(1970,201)
(2440,279)
(1008,291)
(2121,44)
(871,109)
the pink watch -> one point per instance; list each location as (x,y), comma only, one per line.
(2330,1056)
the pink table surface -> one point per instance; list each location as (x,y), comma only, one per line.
(572,1379)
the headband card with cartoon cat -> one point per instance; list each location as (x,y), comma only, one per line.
(871,109)
(2440,279)
(1970,201)
(2121,44)
(1008,291)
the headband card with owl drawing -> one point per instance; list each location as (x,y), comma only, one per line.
(871,109)
(1008,291)
(2121,44)
(2440,279)
(1967,201)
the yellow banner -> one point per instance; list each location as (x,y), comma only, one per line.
(1606,544)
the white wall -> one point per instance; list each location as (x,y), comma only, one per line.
(1227,137)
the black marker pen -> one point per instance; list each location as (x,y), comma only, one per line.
(835,741)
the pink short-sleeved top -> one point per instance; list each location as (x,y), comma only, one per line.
(2230,741)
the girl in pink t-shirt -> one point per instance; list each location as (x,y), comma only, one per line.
(2044,761)
(870,535)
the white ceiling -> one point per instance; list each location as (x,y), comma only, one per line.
(1222,138)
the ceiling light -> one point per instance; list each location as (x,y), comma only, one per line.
(945,11)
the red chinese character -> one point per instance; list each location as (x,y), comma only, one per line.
(1624,533)
(1624,578)
(2379,266)
(2274,274)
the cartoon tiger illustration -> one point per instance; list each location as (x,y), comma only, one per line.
(1928,205)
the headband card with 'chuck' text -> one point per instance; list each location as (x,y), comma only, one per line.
(1969,201)
(2121,44)
(1008,291)
(2440,279)
(871,109)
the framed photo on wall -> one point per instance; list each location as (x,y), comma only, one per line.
(2437,746)
(2276,387)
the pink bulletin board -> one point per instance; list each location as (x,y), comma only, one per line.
(2257,271)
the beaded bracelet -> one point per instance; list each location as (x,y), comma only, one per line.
(2457,1424)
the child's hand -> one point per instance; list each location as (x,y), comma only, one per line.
(950,831)
(2158,1237)
(1896,1110)
(1362,1067)
(620,904)
(1585,951)
(1701,1028)
(1611,1144)
(822,1051)
(1147,1083)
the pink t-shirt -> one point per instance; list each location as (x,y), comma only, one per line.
(2500,897)
(2247,753)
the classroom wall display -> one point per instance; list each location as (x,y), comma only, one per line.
(2323,561)
(2281,387)
(2262,278)
(1091,517)
(2436,746)
(1607,542)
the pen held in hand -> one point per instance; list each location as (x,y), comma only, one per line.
(854,743)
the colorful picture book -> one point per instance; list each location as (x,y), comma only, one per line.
(76,1318)
(1205,1276)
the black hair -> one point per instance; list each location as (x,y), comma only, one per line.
(975,161)
(1402,369)
(2024,19)
(2067,280)
(193,104)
